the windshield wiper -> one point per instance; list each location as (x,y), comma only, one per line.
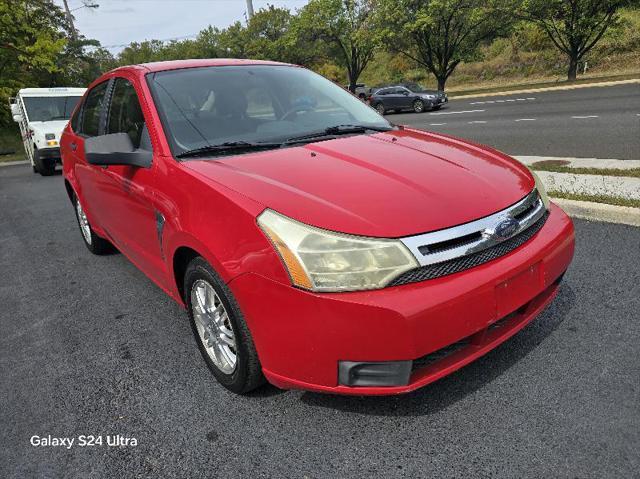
(235,146)
(333,131)
(229,146)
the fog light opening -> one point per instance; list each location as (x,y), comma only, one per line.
(374,374)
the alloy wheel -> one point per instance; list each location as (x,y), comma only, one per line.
(214,327)
(84,222)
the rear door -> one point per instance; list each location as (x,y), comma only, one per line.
(128,192)
(386,98)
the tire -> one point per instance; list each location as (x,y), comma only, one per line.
(44,166)
(418,106)
(92,241)
(380,108)
(203,286)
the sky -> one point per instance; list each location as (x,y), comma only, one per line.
(117,23)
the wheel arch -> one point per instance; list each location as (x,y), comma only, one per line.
(182,256)
(70,192)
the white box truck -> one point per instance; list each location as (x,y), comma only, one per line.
(42,114)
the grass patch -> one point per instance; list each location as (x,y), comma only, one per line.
(554,166)
(11,148)
(609,200)
(543,84)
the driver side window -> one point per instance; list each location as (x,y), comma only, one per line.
(125,114)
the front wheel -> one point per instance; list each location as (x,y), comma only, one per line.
(45,166)
(220,331)
(418,106)
(92,241)
(380,108)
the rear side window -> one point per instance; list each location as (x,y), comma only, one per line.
(93,109)
(125,114)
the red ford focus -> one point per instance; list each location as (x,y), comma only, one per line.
(313,243)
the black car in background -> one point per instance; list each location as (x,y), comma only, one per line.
(407,96)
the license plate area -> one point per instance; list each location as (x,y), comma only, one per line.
(518,290)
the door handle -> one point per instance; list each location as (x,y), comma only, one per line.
(74,146)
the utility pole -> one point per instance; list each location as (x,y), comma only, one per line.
(249,8)
(67,11)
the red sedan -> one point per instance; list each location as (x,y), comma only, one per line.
(313,243)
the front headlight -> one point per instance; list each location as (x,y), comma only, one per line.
(542,191)
(321,260)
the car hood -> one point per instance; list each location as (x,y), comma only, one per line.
(392,184)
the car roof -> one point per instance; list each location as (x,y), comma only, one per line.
(196,63)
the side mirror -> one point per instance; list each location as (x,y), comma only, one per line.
(15,108)
(17,118)
(115,149)
(405,93)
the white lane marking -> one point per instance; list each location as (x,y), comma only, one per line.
(436,124)
(478,121)
(456,112)
(584,117)
(526,119)
(491,102)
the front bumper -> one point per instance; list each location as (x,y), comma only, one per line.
(301,337)
(49,153)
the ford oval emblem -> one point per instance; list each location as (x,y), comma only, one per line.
(506,228)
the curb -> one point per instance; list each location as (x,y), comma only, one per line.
(600,212)
(623,186)
(453,95)
(12,163)
(573,162)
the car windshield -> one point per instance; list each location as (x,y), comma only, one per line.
(203,107)
(48,108)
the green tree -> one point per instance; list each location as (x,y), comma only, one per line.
(439,34)
(141,52)
(32,35)
(348,28)
(574,26)
(270,35)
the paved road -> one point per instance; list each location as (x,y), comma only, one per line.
(88,345)
(596,122)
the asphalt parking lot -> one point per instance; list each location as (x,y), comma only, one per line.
(90,346)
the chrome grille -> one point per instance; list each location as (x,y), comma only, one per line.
(462,247)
